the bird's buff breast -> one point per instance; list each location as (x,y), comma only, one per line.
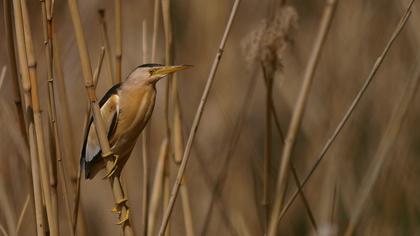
(136,108)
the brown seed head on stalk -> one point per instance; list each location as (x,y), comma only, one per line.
(267,43)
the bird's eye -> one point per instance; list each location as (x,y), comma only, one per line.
(152,71)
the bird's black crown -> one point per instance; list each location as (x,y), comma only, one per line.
(149,65)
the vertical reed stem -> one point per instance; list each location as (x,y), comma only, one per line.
(178,139)
(298,115)
(118,41)
(145,187)
(105,42)
(47,30)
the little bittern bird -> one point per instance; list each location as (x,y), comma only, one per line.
(125,108)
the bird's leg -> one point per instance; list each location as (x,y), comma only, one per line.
(117,209)
(114,166)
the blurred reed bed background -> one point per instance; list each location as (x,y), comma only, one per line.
(366,183)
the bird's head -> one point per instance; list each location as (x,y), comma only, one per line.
(154,72)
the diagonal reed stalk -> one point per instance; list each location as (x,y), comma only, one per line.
(99,123)
(221,178)
(7,206)
(382,155)
(22,214)
(196,121)
(351,108)
(118,41)
(105,42)
(26,58)
(145,185)
(178,141)
(298,115)
(76,208)
(52,114)
(292,167)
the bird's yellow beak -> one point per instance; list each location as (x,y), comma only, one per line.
(165,70)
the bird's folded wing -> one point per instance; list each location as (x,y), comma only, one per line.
(110,111)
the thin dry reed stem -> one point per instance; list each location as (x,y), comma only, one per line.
(2,75)
(152,210)
(78,218)
(24,40)
(267,151)
(351,108)
(382,155)
(156,20)
(12,66)
(64,105)
(105,42)
(196,121)
(298,115)
(3,230)
(157,187)
(22,213)
(7,207)
(52,114)
(169,60)
(118,41)
(99,123)
(292,167)
(178,140)
(145,186)
(221,179)
(76,208)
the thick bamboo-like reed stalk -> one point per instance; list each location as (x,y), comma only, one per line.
(196,121)
(157,188)
(36,184)
(52,114)
(118,41)
(351,108)
(145,186)
(24,40)
(8,26)
(99,123)
(105,42)
(298,115)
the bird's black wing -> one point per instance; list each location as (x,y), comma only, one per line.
(91,151)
